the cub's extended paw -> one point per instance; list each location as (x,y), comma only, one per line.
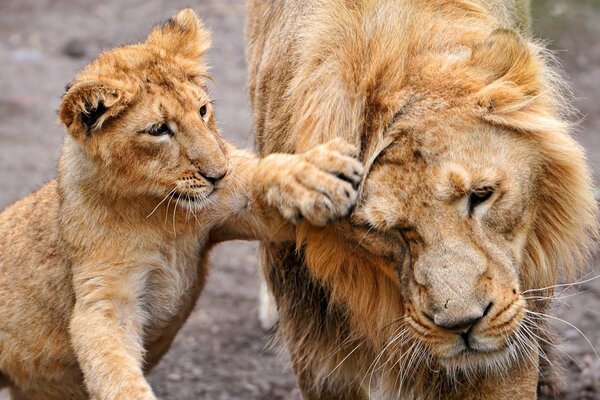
(319,185)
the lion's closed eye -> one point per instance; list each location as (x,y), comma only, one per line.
(480,196)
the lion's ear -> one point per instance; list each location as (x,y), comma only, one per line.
(183,35)
(512,71)
(86,106)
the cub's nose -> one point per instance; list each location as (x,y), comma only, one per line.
(215,177)
(460,324)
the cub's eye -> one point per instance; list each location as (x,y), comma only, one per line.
(203,111)
(478,197)
(159,130)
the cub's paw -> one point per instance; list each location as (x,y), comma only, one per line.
(320,185)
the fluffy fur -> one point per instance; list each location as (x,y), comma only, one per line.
(100,268)
(476,201)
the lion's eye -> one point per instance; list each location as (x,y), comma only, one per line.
(203,111)
(478,197)
(159,130)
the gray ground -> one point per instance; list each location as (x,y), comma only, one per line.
(222,353)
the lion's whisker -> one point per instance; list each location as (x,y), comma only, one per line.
(363,237)
(372,367)
(544,315)
(518,346)
(395,321)
(339,347)
(399,340)
(558,296)
(567,285)
(404,366)
(527,334)
(344,359)
(402,357)
(554,345)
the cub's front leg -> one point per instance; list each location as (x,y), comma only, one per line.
(106,331)
(319,185)
(263,199)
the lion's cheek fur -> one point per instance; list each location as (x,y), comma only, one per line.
(364,283)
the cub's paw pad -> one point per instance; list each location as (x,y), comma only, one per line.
(320,185)
(332,171)
(337,157)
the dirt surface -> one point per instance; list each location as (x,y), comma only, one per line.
(222,353)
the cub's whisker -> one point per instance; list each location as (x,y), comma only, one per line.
(174,216)
(167,212)
(162,201)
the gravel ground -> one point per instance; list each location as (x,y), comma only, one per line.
(222,353)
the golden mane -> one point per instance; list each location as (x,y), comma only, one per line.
(530,98)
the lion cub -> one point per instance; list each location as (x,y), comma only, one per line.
(100,268)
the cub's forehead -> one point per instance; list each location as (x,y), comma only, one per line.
(140,64)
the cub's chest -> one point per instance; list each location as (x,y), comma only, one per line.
(173,284)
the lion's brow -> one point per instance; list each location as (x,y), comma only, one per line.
(403,110)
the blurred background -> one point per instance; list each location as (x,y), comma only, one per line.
(222,352)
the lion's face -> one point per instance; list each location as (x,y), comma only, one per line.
(477,202)
(462,198)
(142,112)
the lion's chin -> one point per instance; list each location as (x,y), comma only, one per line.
(482,359)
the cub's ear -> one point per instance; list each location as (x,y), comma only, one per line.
(183,35)
(86,106)
(512,72)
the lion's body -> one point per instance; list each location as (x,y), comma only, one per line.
(100,268)
(476,194)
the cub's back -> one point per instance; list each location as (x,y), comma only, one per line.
(35,285)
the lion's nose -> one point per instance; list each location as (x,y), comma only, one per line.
(460,324)
(457,326)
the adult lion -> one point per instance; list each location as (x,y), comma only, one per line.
(476,201)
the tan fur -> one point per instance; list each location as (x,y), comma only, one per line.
(448,100)
(100,268)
